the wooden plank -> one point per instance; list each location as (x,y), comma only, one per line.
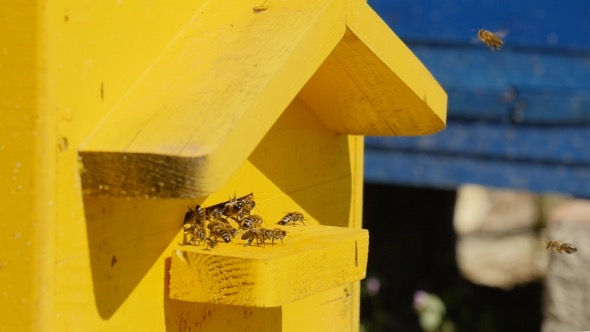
(166,132)
(490,86)
(209,99)
(27,172)
(313,259)
(372,87)
(538,25)
(452,170)
(567,146)
(331,310)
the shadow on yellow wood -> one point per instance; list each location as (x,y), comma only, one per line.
(126,238)
(310,165)
(313,259)
(207,102)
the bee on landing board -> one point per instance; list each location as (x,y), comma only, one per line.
(276,234)
(193,226)
(196,215)
(220,229)
(251,221)
(263,234)
(292,217)
(492,39)
(235,208)
(559,247)
(254,234)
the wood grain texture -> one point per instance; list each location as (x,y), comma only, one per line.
(208,100)
(313,259)
(210,97)
(372,84)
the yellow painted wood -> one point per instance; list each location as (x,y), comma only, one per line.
(112,257)
(372,84)
(208,100)
(313,259)
(72,262)
(326,311)
(330,197)
(26,188)
(194,116)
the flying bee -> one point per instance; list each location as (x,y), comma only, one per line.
(559,246)
(220,229)
(292,217)
(492,39)
(251,221)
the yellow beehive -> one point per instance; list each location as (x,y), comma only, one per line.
(117,116)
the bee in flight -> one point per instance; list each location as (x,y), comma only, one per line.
(292,217)
(559,247)
(492,39)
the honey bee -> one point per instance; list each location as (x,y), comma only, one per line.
(262,234)
(195,234)
(276,234)
(492,39)
(220,229)
(211,243)
(248,203)
(251,221)
(292,217)
(257,234)
(193,225)
(559,246)
(196,215)
(235,208)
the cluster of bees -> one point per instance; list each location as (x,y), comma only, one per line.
(214,223)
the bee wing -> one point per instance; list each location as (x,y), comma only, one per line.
(501,33)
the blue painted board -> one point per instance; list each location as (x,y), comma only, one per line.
(518,117)
(537,24)
(494,141)
(448,171)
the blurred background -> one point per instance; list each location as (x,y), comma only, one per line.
(458,219)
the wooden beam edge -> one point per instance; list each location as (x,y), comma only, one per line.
(193,148)
(372,84)
(270,276)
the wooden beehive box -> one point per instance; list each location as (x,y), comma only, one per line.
(135,111)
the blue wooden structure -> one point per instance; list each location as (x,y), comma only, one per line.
(518,118)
